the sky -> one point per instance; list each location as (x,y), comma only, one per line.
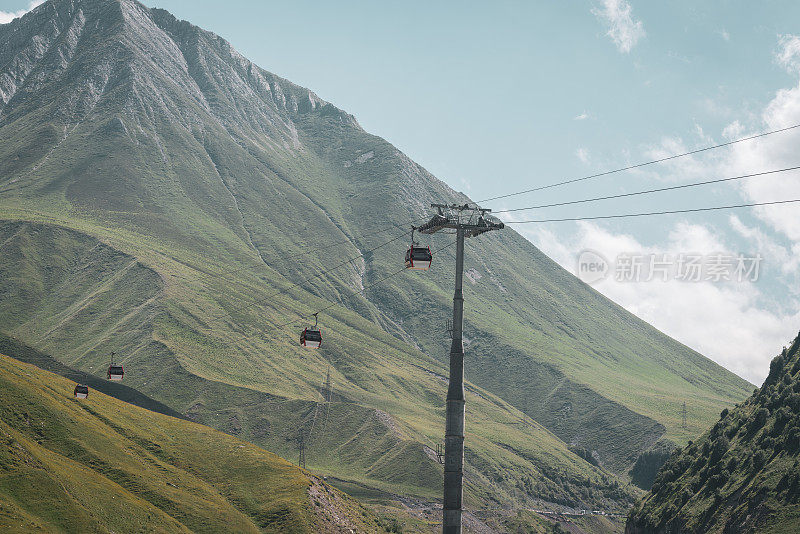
(499,97)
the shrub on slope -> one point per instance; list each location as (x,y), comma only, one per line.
(741,476)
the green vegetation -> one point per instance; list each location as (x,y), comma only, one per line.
(741,476)
(344,438)
(157,191)
(598,524)
(528,522)
(102,465)
(644,471)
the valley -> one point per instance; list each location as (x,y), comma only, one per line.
(164,198)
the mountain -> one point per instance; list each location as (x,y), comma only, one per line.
(741,476)
(102,465)
(160,195)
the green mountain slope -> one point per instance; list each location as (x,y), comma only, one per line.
(741,476)
(379,441)
(102,465)
(158,190)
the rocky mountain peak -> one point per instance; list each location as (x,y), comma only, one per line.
(154,60)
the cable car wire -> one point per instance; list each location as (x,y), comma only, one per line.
(297,284)
(566,182)
(368,234)
(639,165)
(312,248)
(304,317)
(648,191)
(575,180)
(622,216)
(385,278)
(373,284)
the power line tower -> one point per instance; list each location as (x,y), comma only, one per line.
(326,391)
(467,221)
(683,414)
(302,444)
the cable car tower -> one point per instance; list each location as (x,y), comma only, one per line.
(327,394)
(301,443)
(467,221)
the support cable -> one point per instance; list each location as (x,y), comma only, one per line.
(297,284)
(312,248)
(373,284)
(644,164)
(649,191)
(668,212)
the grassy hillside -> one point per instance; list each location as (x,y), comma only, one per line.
(157,191)
(741,476)
(382,440)
(102,465)
(529,522)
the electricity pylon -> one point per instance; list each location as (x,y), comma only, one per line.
(302,444)
(683,414)
(467,221)
(326,392)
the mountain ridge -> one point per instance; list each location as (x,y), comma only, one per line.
(179,153)
(743,475)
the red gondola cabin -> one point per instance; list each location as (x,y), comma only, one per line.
(81,391)
(311,338)
(419,258)
(115,372)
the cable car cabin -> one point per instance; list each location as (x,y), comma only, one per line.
(115,373)
(81,391)
(418,258)
(311,338)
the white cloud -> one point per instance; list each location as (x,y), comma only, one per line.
(739,325)
(582,117)
(788,54)
(786,257)
(716,108)
(762,154)
(724,321)
(688,168)
(623,29)
(773,152)
(8,16)
(583,155)
(734,130)
(725,35)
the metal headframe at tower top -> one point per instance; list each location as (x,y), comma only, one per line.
(473,219)
(468,221)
